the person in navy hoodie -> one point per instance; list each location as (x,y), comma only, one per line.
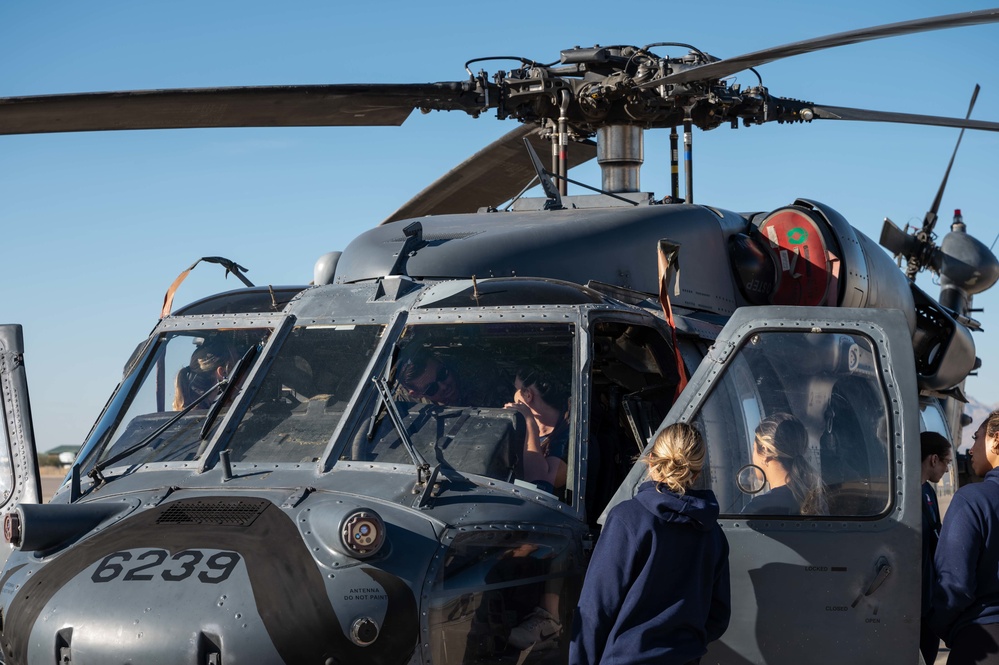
(937,456)
(657,587)
(965,610)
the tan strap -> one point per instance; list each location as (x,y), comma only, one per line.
(669,271)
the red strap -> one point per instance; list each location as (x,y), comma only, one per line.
(669,270)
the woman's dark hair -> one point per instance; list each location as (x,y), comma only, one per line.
(992,424)
(933,443)
(551,389)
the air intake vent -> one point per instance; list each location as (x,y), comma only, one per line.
(219,512)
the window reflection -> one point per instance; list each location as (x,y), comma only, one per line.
(790,484)
(488,584)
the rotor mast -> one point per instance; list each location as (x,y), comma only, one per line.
(620,154)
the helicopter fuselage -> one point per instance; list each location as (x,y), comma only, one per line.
(309,506)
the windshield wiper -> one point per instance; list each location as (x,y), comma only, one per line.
(422,466)
(74,473)
(95,473)
(228,384)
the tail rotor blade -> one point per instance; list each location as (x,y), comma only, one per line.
(931,215)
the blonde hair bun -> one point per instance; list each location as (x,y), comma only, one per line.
(677,456)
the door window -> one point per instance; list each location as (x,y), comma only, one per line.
(933,419)
(488,589)
(797,428)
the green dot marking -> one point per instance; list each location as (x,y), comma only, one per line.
(797,235)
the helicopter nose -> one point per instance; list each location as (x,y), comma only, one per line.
(206,576)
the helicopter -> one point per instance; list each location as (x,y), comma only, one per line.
(269,484)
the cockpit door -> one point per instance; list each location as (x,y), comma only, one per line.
(19,478)
(825,561)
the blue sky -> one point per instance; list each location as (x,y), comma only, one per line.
(96,226)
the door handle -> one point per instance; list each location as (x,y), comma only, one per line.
(882,571)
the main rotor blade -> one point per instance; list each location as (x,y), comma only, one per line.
(843,113)
(262,106)
(491,176)
(722,68)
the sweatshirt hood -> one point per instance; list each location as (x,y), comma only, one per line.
(698,508)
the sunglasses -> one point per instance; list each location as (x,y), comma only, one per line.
(442,375)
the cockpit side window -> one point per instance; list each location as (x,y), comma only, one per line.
(491,399)
(798,428)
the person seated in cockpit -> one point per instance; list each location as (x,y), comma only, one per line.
(426,376)
(210,363)
(779,447)
(544,403)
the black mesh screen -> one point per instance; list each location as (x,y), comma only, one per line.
(221,512)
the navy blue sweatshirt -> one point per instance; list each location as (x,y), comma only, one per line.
(931,535)
(657,587)
(967,560)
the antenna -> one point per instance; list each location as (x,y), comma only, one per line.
(554,198)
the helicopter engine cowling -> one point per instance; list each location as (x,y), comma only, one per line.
(944,349)
(325,268)
(804,254)
(807,254)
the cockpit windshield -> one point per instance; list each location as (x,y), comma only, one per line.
(161,417)
(298,406)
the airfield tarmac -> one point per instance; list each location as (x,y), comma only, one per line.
(51,480)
